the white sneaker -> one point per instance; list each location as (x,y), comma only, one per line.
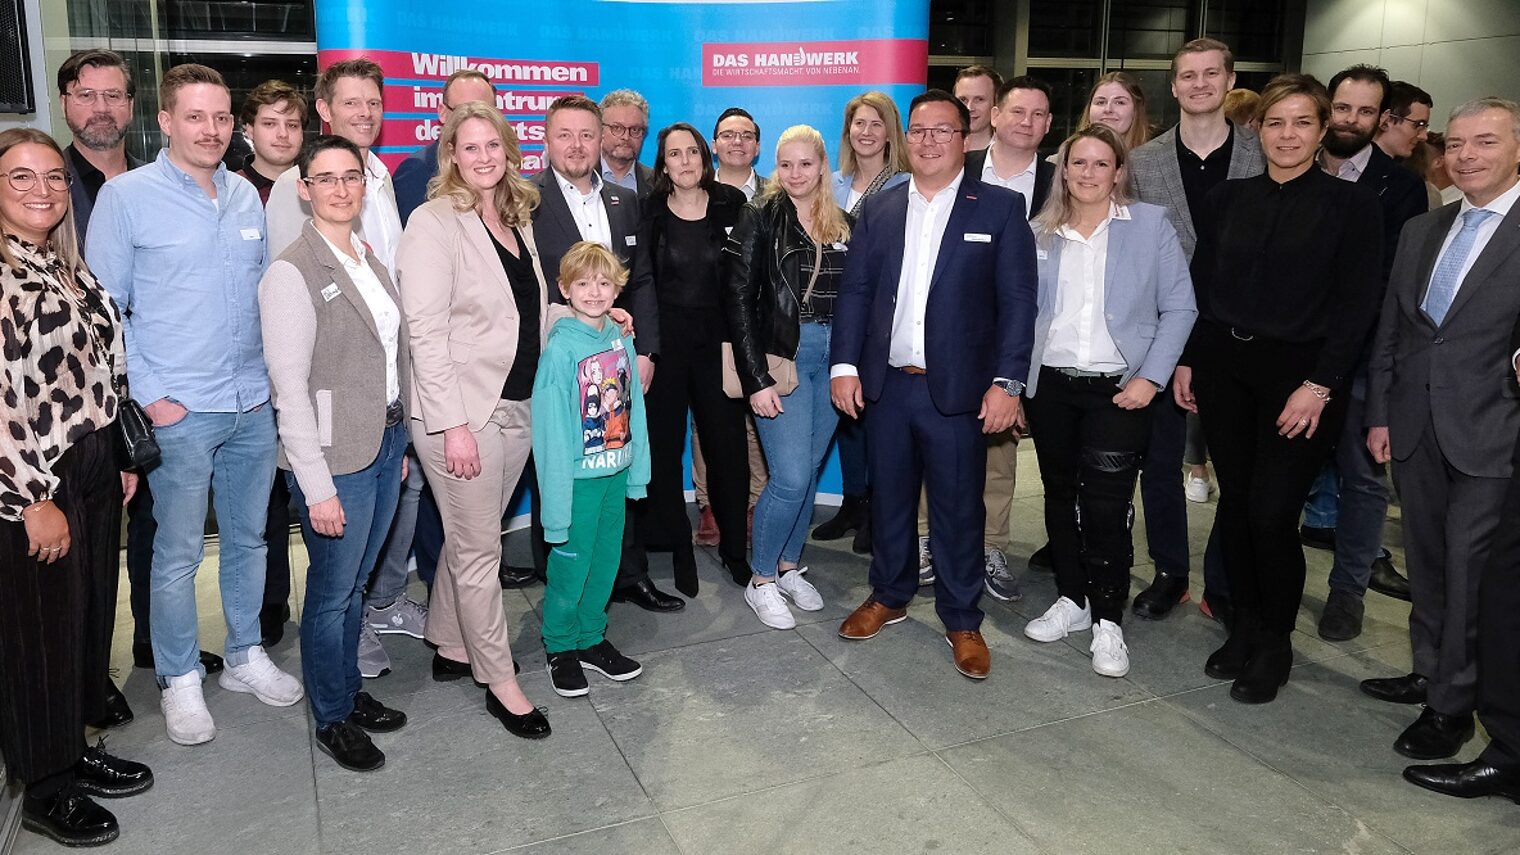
(1197,489)
(1059,621)
(185,714)
(769,605)
(800,590)
(262,679)
(925,563)
(1110,655)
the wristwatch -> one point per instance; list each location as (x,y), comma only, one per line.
(1013,387)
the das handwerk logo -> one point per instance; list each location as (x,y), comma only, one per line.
(860,61)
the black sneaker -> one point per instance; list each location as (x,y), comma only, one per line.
(566,675)
(605,659)
(1342,618)
(97,773)
(348,744)
(374,716)
(70,818)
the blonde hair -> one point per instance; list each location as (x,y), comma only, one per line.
(63,239)
(896,155)
(516,197)
(829,223)
(588,258)
(1240,106)
(1139,132)
(1058,210)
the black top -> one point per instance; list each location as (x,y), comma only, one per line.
(1200,175)
(820,307)
(688,264)
(519,270)
(1297,262)
(92,178)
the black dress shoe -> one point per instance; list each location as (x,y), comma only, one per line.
(1466,780)
(117,713)
(1342,617)
(1266,672)
(515,577)
(348,744)
(142,657)
(1163,595)
(531,725)
(374,716)
(844,521)
(1316,537)
(211,662)
(647,597)
(97,773)
(861,545)
(738,571)
(272,624)
(1434,736)
(1386,580)
(1409,689)
(70,818)
(1041,560)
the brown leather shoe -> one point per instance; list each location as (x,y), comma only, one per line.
(868,619)
(972,658)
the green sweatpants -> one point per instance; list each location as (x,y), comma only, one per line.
(583,568)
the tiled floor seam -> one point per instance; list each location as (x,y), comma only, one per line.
(1044,724)
(844,770)
(1018,826)
(521,846)
(864,691)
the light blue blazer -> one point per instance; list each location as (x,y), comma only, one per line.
(842,186)
(1147,295)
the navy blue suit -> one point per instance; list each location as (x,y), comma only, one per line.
(978,325)
(411,178)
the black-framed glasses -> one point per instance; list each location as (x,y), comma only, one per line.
(619,130)
(737,136)
(1417,124)
(940,134)
(353,180)
(22,180)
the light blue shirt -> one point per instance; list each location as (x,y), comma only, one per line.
(185,270)
(629,181)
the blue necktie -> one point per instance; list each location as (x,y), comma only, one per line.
(1444,282)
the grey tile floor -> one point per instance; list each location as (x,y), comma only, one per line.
(742,739)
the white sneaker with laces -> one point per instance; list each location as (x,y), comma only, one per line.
(799,590)
(263,679)
(403,617)
(925,563)
(185,714)
(1197,489)
(1059,621)
(769,605)
(1110,655)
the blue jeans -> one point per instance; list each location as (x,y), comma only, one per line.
(1322,510)
(388,582)
(1364,498)
(336,575)
(230,456)
(794,443)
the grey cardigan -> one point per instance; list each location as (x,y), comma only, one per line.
(326,363)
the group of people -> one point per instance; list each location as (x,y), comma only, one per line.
(391,354)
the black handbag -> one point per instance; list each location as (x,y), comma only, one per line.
(138,447)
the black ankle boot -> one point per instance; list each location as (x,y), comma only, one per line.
(844,522)
(1268,670)
(1229,661)
(862,544)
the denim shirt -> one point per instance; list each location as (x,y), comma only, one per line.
(185,271)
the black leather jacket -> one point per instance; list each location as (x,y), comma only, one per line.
(762,286)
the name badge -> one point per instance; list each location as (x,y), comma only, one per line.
(330,293)
(978,237)
(839,246)
(613,200)
(1041,254)
(251,234)
(631,240)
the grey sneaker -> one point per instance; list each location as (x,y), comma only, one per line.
(1001,583)
(373,660)
(925,563)
(403,617)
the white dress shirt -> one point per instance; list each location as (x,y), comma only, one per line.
(751,186)
(1352,168)
(587,209)
(381,307)
(1023,182)
(379,221)
(1500,206)
(1078,336)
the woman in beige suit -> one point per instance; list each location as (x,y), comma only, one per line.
(477,311)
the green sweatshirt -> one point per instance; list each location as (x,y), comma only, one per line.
(588,417)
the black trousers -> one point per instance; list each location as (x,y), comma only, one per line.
(1089,450)
(1241,388)
(54,647)
(1499,639)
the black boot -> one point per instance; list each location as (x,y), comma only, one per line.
(1268,670)
(862,544)
(845,521)
(1229,661)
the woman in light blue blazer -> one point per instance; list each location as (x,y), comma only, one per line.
(1116,306)
(873,156)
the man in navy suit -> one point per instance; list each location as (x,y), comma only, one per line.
(933,327)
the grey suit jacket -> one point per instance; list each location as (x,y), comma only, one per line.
(1456,377)
(1157,177)
(1148,300)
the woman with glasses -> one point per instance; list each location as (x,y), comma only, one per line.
(335,342)
(62,377)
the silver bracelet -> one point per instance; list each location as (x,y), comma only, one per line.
(1318,391)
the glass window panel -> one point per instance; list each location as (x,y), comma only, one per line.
(1068,98)
(1254,29)
(1148,29)
(960,28)
(1065,28)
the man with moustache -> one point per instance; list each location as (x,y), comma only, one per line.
(1358,100)
(977,86)
(414,173)
(195,359)
(273,118)
(96,90)
(625,124)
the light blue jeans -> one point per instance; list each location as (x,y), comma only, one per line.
(230,456)
(794,443)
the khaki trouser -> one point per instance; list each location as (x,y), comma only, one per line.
(465,610)
(757,470)
(1002,467)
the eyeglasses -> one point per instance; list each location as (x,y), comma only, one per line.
(327,181)
(737,136)
(23,180)
(627,130)
(1417,124)
(940,134)
(112,97)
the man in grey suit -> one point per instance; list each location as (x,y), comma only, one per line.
(1444,406)
(625,126)
(1176,170)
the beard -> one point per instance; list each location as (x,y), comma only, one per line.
(100,133)
(1344,142)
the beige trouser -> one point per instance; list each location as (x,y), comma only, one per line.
(757,471)
(1002,467)
(465,609)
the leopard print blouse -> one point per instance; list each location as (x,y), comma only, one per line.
(60,341)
